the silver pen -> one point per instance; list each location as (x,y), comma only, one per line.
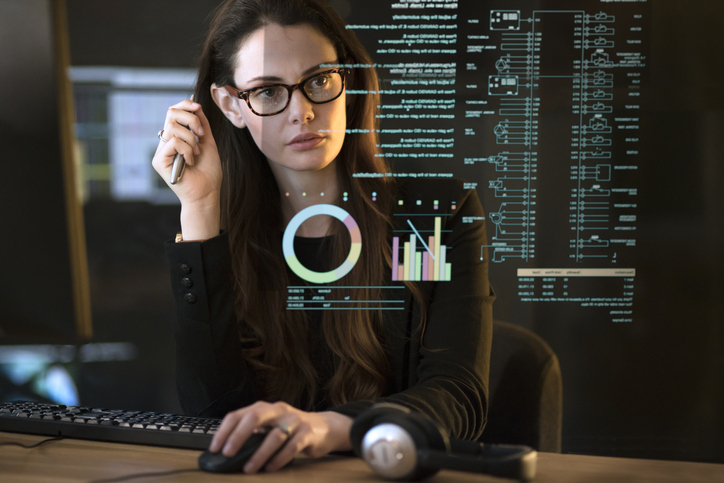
(179,163)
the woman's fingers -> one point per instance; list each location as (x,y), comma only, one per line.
(298,441)
(187,122)
(189,138)
(179,120)
(232,433)
(238,425)
(276,441)
(186,113)
(163,160)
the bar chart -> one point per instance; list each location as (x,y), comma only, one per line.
(418,260)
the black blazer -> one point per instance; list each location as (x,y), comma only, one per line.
(445,377)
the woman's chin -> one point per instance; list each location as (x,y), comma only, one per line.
(305,162)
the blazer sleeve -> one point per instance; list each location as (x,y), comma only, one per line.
(211,375)
(448,371)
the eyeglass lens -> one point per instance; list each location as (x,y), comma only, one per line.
(320,88)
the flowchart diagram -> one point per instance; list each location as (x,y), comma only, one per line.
(542,56)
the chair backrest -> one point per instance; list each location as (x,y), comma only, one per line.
(526,394)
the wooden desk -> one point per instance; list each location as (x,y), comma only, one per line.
(74,460)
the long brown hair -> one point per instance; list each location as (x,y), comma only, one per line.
(275,339)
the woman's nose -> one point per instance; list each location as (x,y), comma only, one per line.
(301,109)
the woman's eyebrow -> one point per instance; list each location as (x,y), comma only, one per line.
(271,78)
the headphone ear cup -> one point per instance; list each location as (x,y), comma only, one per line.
(369,418)
(396,426)
(366,420)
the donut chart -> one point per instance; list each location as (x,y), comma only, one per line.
(321,277)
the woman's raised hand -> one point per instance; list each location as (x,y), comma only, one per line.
(290,431)
(187,131)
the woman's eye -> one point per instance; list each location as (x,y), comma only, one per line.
(267,92)
(320,81)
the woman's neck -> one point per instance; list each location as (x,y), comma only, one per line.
(301,189)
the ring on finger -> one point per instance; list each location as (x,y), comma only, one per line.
(160,136)
(284,428)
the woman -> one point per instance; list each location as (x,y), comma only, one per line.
(258,153)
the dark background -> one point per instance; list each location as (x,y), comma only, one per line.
(653,388)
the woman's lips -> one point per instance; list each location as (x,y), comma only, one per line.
(306,141)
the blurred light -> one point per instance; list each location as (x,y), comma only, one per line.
(58,386)
(41,366)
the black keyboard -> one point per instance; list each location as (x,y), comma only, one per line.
(150,428)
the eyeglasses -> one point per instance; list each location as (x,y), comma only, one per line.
(272,99)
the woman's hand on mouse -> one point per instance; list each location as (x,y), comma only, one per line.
(187,131)
(290,431)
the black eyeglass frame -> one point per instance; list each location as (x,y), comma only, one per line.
(342,71)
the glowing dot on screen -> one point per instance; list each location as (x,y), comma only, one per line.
(345,194)
(321,194)
(287,193)
(374,193)
(436,205)
(304,194)
(400,202)
(454,205)
(419,202)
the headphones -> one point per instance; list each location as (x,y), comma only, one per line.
(400,444)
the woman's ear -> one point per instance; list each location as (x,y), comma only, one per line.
(229,105)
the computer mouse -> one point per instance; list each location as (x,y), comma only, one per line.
(218,463)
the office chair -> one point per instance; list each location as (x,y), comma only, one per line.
(525,401)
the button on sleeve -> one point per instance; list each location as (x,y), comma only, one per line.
(201,278)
